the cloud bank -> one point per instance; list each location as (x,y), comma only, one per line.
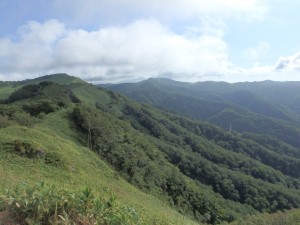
(144,46)
(139,50)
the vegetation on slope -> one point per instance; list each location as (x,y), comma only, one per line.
(49,150)
(200,170)
(43,204)
(258,107)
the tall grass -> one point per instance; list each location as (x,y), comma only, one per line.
(46,204)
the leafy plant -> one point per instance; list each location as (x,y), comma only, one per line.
(46,204)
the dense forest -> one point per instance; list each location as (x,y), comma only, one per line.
(205,172)
(270,109)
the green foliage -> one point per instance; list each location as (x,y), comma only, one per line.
(27,149)
(284,163)
(140,163)
(5,121)
(257,107)
(46,204)
(59,94)
(33,101)
(14,114)
(24,119)
(81,168)
(230,174)
(24,92)
(33,151)
(198,169)
(42,106)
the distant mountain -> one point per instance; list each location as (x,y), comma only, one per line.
(259,107)
(164,168)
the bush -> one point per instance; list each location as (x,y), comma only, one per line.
(24,92)
(28,149)
(32,151)
(43,106)
(24,119)
(46,204)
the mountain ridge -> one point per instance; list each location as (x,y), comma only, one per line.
(202,171)
(249,101)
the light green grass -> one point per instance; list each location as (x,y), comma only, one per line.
(82,168)
(59,78)
(6,91)
(90,94)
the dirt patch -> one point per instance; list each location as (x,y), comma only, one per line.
(7,218)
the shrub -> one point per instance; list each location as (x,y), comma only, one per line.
(43,106)
(46,204)
(31,151)
(24,92)
(5,122)
(24,119)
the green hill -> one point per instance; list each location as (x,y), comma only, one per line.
(168,168)
(259,107)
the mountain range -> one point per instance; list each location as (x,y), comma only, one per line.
(186,154)
(267,109)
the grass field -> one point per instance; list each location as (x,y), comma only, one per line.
(80,168)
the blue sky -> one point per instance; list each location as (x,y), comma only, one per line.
(129,40)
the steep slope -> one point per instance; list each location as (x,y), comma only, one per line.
(64,161)
(200,170)
(243,107)
(155,127)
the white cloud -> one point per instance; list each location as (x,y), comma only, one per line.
(139,50)
(288,63)
(130,44)
(140,47)
(285,69)
(32,51)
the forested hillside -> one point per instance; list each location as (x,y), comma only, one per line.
(267,108)
(167,168)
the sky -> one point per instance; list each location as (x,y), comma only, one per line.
(113,41)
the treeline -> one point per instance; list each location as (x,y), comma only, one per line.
(279,160)
(235,176)
(140,162)
(258,124)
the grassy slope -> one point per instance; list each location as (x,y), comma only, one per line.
(6,88)
(82,168)
(54,135)
(6,91)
